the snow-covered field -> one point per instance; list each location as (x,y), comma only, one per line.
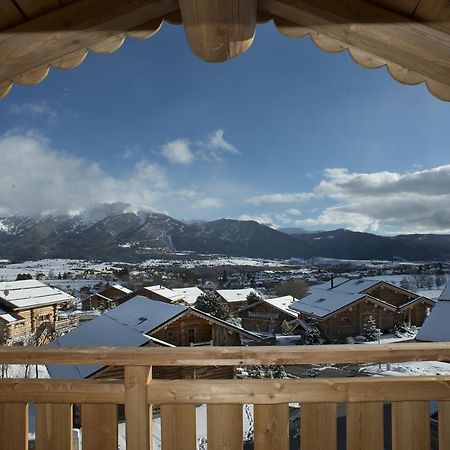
(412,368)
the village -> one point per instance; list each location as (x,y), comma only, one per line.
(264,306)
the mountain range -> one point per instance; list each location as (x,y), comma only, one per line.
(118,232)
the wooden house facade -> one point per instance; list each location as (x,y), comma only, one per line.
(28,308)
(106,298)
(343,310)
(268,315)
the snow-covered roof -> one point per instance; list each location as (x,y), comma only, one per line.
(124,326)
(30,293)
(164,292)
(236,295)
(9,316)
(190,294)
(283,303)
(321,303)
(144,315)
(436,326)
(356,286)
(119,287)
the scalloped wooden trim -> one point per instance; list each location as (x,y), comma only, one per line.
(363,58)
(146,31)
(74,59)
(439,90)
(34,76)
(70,61)
(5,88)
(109,45)
(290,29)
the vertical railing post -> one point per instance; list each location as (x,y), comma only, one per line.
(138,413)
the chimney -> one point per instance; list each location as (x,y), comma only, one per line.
(332,281)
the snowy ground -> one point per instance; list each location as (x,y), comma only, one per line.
(412,368)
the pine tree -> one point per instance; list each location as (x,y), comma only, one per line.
(370,330)
(286,329)
(253,297)
(312,335)
(212,305)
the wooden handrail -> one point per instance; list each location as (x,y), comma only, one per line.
(226,356)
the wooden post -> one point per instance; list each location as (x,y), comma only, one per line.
(444,425)
(219,30)
(410,425)
(138,413)
(178,427)
(271,427)
(99,425)
(54,426)
(365,426)
(14,426)
(225,427)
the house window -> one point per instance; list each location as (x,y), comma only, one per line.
(191,335)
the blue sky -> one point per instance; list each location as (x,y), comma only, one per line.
(285,134)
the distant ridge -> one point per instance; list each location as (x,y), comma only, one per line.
(120,232)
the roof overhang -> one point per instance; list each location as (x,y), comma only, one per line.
(411,38)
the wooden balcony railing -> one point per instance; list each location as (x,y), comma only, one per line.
(364,398)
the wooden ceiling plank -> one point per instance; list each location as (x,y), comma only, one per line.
(384,34)
(34,8)
(405,7)
(9,14)
(434,12)
(72,28)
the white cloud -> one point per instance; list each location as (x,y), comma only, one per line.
(409,202)
(34,110)
(294,212)
(35,178)
(185,151)
(288,197)
(178,152)
(216,141)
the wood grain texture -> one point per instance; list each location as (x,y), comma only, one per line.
(218,30)
(227,356)
(60,391)
(365,427)
(71,28)
(10,15)
(99,427)
(14,426)
(225,427)
(318,426)
(178,427)
(271,427)
(380,32)
(410,426)
(53,427)
(444,425)
(319,390)
(137,410)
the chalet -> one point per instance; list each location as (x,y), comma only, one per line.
(105,299)
(157,292)
(139,322)
(342,310)
(236,298)
(436,326)
(269,314)
(27,308)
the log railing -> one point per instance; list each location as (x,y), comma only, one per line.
(364,397)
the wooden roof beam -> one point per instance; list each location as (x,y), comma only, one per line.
(67,32)
(413,51)
(219,30)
